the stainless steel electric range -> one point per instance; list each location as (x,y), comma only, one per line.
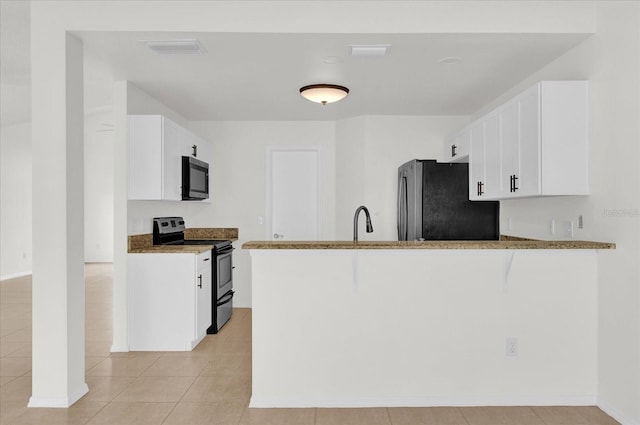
(170,231)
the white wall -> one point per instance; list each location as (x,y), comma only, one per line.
(350,174)
(238,181)
(369,151)
(610,60)
(98,187)
(15,192)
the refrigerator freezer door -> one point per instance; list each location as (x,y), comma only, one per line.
(410,201)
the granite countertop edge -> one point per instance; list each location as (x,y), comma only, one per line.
(143,243)
(505,242)
(172,249)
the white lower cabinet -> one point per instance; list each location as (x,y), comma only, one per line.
(169,300)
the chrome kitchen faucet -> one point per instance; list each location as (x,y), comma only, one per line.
(355,222)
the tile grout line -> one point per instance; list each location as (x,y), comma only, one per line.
(538,416)
(463,416)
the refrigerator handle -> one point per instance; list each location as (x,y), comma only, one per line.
(402,208)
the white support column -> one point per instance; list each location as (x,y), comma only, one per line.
(58,219)
(120,155)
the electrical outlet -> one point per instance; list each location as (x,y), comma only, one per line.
(508,223)
(512,347)
(580,222)
(567,229)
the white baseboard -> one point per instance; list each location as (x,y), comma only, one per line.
(119,349)
(59,402)
(428,401)
(14,275)
(615,413)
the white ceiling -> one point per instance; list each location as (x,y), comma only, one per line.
(258,76)
(15,69)
(254,76)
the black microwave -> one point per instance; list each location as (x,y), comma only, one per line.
(195,179)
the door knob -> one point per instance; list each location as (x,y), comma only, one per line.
(277,236)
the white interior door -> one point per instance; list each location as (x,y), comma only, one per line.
(293,193)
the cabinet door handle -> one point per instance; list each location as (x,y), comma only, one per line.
(195,151)
(199,281)
(480,187)
(454,150)
(511,183)
(514,183)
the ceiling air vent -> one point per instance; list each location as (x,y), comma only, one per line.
(369,49)
(175,47)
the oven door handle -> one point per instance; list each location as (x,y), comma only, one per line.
(226,298)
(225,250)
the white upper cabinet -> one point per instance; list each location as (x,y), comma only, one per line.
(534,145)
(171,180)
(457,148)
(156,147)
(484,159)
(492,156)
(477,164)
(196,147)
(520,140)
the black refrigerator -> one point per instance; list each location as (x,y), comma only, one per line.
(433,204)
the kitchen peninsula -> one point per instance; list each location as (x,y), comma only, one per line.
(434,323)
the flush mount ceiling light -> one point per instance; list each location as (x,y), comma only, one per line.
(174,47)
(324,93)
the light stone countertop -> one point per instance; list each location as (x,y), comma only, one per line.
(143,244)
(172,249)
(505,242)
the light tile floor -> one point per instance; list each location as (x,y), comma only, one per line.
(210,385)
